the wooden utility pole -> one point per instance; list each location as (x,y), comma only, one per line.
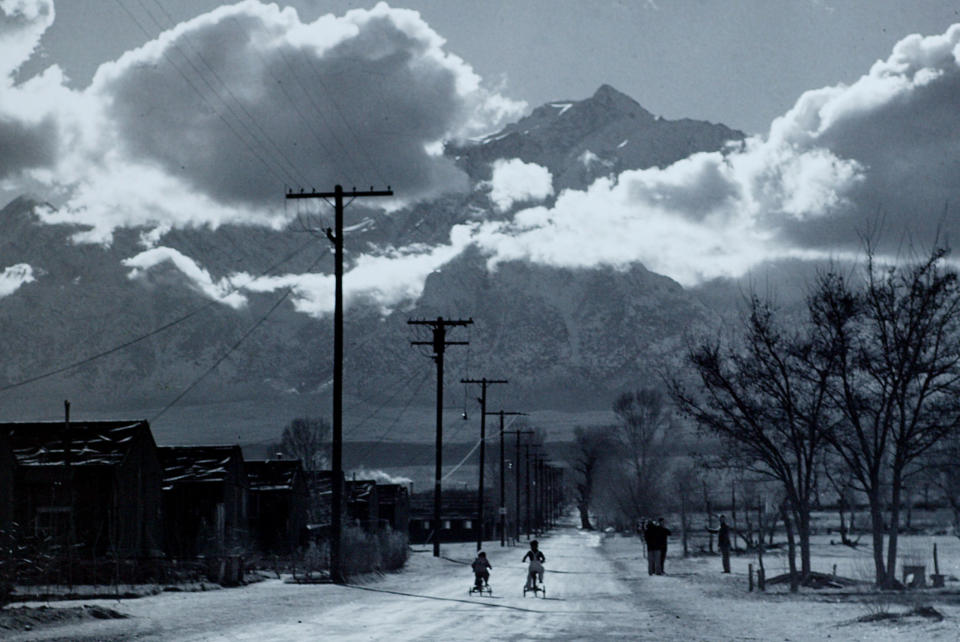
(336,237)
(516,485)
(527,449)
(439,344)
(503,501)
(483,448)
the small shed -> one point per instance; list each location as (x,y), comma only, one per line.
(278,501)
(363,505)
(320,489)
(204,500)
(394,506)
(93,486)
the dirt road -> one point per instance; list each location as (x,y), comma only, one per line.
(594,592)
(428,601)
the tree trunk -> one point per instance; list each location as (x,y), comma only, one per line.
(876,519)
(803,534)
(894,526)
(683,523)
(791,549)
(584,517)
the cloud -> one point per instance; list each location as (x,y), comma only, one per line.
(28,136)
(22,23)
(885,149)
(387,280)
(199,279)
(213,118)
(13,277)
(516,181)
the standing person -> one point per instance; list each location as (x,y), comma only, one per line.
(723,542)
(647,530)
(536,564)
(664,534)
(656,540)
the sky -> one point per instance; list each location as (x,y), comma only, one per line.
(159,114)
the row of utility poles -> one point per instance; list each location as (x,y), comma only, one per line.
(543,492)
(544,495)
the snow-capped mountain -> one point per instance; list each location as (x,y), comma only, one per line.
(564,338)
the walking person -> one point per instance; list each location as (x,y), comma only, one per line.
(656,541)
(723,542)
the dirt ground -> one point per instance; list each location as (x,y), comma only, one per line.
(597,589)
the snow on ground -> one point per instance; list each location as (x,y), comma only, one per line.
(597,589)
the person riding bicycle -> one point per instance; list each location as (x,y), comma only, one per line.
(535,569)
(481,576)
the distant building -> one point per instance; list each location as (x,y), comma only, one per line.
(92,486)
(278,503)
(458,517)
(394,506)
(204,500)
(320,489)
(363,506)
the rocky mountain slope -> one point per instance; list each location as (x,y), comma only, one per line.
(566,339)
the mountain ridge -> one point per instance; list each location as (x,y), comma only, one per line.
(568,340)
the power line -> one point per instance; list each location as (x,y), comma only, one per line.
(471,451)
(226,87)
(232,348)
(382,437)
(273,170)
(142,337)
(383,405)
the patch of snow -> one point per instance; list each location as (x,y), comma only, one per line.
(563,107)
(625,141)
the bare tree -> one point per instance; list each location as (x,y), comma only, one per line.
(894,361)
(768,405)
(644,426)
(591,445)
(307,439)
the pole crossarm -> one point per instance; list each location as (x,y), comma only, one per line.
(352,193)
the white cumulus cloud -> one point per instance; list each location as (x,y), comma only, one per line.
(515,181)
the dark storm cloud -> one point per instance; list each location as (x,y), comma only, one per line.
(243,99)
(24,145)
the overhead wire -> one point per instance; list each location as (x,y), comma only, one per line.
(383,435)
(147,335)
(373,164)
(232,348)
(475,446)
(283,175)
(226,87)
(306,92)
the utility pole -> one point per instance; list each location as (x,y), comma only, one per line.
(527,449)
(503,502)
(336,237)
(483,446)
(439,343)
(516,485)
